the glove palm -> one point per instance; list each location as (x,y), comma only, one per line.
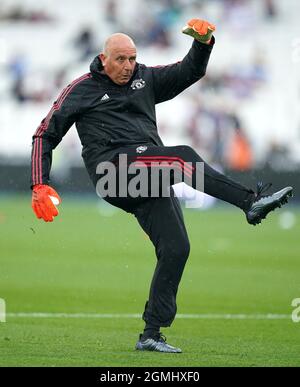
(43,198)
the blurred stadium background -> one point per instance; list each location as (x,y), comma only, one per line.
(243,117)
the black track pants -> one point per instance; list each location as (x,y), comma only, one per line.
(162,219)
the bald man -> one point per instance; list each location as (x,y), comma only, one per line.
(117,49)
(113,107)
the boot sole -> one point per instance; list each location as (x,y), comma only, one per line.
(265,209)
(141,347)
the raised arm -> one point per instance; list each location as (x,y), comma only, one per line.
(171,80)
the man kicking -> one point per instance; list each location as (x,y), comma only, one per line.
(113,107)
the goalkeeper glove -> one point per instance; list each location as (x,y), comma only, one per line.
(200,30)
(43,202)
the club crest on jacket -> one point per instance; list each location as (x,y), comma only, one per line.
(138,84)
(141,149)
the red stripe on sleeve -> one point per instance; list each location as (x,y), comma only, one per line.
(37,175)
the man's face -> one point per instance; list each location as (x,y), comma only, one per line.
(119,63)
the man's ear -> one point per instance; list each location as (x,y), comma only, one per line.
(102,57)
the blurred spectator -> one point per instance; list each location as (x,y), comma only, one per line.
(111,11)
(18,67)
(258,71)
(206,131)
(240,15)
(277,156)
(84,42)
(158,35)
(241,81)
(18,90)
(270,10)
(32,85)
(17,13)
(159,31)
(219,137)
(239,153)
(60,78)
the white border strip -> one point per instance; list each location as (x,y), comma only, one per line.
(211,316)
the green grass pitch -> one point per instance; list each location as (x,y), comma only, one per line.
(91,260)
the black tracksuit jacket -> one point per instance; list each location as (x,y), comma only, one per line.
(108,116)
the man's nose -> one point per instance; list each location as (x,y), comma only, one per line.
(127,64)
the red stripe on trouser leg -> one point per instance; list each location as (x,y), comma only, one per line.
(152,165)
(166,158)
(184,166)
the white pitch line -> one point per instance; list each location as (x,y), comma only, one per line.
(210,316)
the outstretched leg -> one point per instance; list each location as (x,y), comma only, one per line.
(185,159)
(255,205)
